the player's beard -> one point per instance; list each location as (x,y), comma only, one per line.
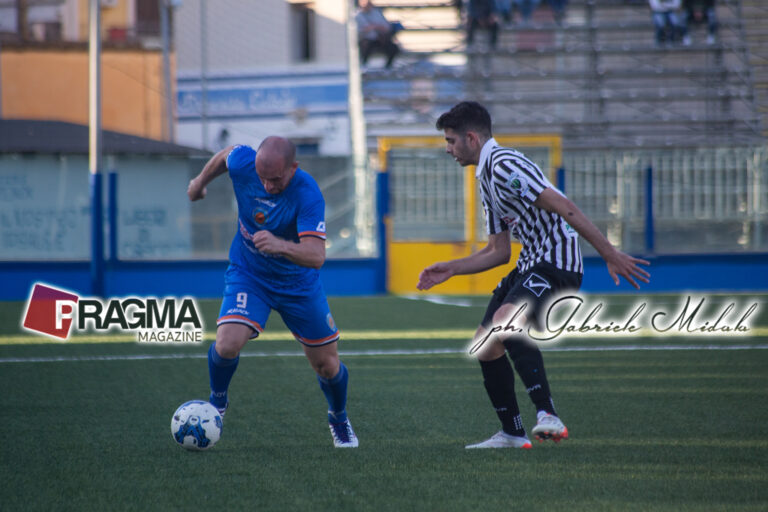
(461,161)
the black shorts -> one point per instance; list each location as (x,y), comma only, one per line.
(536,286)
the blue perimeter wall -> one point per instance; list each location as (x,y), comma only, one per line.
(204,279)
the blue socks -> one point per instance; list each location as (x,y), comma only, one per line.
(221,371)
(335,391)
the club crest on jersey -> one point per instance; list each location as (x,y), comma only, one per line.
(537,284)
(331,323)
(517,183)
(259,216)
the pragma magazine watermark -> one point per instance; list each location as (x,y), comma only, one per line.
(56,313)
(573,316)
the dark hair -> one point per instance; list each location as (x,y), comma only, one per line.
(465,116)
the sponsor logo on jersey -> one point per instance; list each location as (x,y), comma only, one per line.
(265,201)
(243,231)
(511,222)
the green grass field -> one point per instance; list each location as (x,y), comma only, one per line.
(680,427)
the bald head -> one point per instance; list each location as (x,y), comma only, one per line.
(276,163)
(278,147)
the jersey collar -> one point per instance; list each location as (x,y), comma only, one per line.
(485,154)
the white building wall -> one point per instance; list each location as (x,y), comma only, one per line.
(253,86)
(247,34)
(239,34)
(331,30)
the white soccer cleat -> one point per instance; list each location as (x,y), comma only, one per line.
(503,440)
(343,435)
(551,427)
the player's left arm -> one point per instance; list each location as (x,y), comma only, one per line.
(618,263)
(308,252)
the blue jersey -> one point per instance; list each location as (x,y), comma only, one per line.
(297,211)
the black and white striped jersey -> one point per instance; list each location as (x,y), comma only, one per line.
(509,185)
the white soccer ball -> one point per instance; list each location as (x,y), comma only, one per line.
(196,425)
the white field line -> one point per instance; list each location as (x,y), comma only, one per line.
(404,334)
(414,334)
(389,352)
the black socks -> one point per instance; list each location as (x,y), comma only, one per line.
(499,380)
(530,366)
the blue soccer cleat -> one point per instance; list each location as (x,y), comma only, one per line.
(343,435)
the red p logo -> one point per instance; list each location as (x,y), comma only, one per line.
(50,311)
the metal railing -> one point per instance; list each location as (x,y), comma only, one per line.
(698,200)
(214,220)
(665,201)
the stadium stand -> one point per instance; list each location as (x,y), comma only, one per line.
(755,15)
(599,81)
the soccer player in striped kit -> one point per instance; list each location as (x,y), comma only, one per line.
(520,201)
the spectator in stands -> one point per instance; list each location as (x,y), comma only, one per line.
(504,9)
(667,22)
(375,33)
(459,5)
(558,10)
(697,11)
(482,13)
(526,8)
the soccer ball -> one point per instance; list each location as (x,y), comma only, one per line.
(196,425)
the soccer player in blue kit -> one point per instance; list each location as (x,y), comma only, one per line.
(274,263)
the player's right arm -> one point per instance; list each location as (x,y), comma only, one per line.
(618,263)
(495,253)
(215,167)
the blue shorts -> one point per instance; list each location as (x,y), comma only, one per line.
(249,301)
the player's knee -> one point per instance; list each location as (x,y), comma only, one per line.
(490,351)
(510,316)
(226,348)
(519,346)
(230,339)
(326,366)
(486,344)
